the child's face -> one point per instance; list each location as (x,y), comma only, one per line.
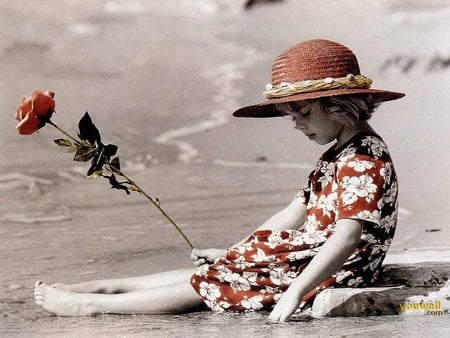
(310,119)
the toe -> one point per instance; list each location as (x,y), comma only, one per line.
(57,285)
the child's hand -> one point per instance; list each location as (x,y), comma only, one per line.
(286,306)
(202,256)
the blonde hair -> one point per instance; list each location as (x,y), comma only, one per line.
(347,110)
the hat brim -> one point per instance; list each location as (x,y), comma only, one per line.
(268,109)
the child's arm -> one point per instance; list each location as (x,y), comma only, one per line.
(328,260)
(291,217)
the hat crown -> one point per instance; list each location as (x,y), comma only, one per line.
(314,60)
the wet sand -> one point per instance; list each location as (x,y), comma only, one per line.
(161,81)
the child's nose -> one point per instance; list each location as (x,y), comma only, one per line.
(300,123)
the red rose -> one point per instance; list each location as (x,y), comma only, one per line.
(34,111)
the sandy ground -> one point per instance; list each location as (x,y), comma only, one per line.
(160,80)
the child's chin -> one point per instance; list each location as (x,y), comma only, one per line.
(321,142)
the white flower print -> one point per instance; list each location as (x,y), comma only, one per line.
(355,187)
(380,249)
(385,246)
(299,255)
(246,246)
(217,306)
(327,203)
(202,270)
(274,239)
(391,194)
(238,282)
(312,201)
(375,263)
(209,291)
(270,289)
(297,240)
(293,233)
(241,263)
(278,276)
(389,222)
(223,272)
(369,238)
(261,257)
(251,277)
(341,275)
(380,204)
(360,165)
(316,237)
(253,303)
(346,154)
(367,215)
(386,173)
(277,297)
(376,146)
(326,169)
(311,224)
(355,282)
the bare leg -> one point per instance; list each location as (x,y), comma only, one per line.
(122,285)
(179,297)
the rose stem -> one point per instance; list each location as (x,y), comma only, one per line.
(156,205)
(139,188)
(62,131)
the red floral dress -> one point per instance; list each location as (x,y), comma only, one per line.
(356,180)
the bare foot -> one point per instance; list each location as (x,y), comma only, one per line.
(62,286)
(70,287)
(83,287)
(61,302)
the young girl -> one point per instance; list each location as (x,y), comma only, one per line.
(335,232)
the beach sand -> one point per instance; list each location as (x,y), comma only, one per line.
(160,80)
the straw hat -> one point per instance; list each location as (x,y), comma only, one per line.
(311,70)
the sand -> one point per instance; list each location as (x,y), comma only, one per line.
(160,80)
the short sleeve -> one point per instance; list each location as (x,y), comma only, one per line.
(361,183)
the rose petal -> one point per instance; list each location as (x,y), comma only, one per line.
(33,111)
(42,104)
(25,98)
(28,125)
(23,109)
(50,93)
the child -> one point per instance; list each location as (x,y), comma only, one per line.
(335,232)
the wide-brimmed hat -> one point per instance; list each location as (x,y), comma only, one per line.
(310,70)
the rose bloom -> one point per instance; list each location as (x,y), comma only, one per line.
(34,110)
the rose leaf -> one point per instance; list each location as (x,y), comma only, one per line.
(110,150)
(84,153)
(88,131)
(71,149)
(94,172)
(115,164)
(63,142)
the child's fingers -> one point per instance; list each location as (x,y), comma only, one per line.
(194,257)
(199,262)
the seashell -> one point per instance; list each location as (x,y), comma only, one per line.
(328,80)
(350,77)
(269,86)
